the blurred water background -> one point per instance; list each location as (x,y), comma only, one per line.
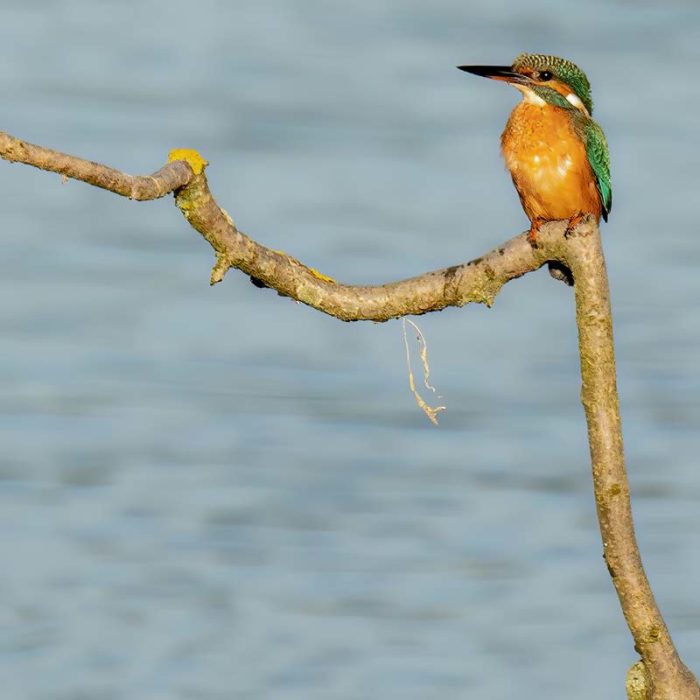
(212,493)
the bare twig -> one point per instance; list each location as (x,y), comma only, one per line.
(660,675)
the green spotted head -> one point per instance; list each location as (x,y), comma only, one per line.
(553,79)
(557,72)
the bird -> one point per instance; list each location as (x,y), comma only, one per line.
(556,153)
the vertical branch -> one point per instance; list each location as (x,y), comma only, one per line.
(661,675)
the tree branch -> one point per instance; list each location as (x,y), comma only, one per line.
(141,187)
(660,675)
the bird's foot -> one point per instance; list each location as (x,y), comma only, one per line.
(534,230)
(574,221)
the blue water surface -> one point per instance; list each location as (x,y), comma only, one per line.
(213,493)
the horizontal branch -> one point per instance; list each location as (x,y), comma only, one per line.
(479,280)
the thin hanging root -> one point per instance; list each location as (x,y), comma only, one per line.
(429,411)
(423,354)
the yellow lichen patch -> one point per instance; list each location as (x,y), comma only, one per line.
(313,271)
(191,157)
(321,276)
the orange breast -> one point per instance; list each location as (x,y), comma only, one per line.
(548,164)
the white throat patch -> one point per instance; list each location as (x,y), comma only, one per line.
(575,100)
(529,95)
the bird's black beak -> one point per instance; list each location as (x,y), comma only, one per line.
(505,73)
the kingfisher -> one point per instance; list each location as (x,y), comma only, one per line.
(556,154)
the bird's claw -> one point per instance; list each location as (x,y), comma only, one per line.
(532,233)
(574,221)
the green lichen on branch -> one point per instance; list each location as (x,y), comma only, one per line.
(637,684)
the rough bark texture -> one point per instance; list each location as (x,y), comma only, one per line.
(663,675)
(660,674)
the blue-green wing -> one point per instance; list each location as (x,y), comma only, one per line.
(599,158)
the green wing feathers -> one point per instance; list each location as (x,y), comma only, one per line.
(599,158)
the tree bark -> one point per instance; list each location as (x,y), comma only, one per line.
(660,674)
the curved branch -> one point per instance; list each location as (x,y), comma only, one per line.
(477,281)
(660,675)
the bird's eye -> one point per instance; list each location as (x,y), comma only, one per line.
(545,75)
